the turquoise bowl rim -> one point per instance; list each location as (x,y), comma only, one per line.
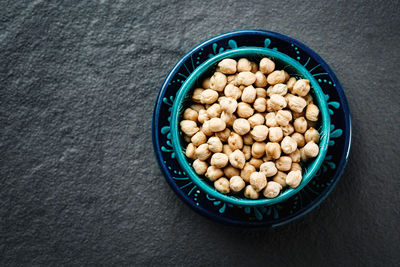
(242,52)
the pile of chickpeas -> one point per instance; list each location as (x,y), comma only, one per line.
(250,127)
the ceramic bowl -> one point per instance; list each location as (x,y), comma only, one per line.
(294,68)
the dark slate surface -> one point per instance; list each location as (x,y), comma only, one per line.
(79,181)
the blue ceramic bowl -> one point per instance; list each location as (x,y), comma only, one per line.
(183,99)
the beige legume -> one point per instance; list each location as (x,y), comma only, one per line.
(200,167)
(222,185)
(236,184)
(272,189)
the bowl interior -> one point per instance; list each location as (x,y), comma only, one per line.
(206,69)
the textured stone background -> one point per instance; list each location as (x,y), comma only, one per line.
(79,181)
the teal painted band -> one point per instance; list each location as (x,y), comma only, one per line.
(188,85)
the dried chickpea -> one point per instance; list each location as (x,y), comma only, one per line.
(241,126)
(277,76)
(297,104)
(217,125)
(259,133)
(235,141)
(237,159)
(246,78)
(214,144)
(273,150)
(202,152)
(197,107)
(228,104)
(208,96)
(243,65)
(261,80)
(295,167)
(223,135)
(241,87)
(280,178)
(218,81)
(287,130)
(219,160)
(275,134)
(277,102)
(247,170)
(244,110)
(227,66)
(283,117)
(247,139)
(226,149)
(278,89)
(258,149)
(256,162)
(293,179)
(312,112)
(222,185)
(261,92)
(270,120)
(267,66)
(288,145)
(189,127)
(311,149)
(205,128)
(311,135)
(190,114)
(196,97)
(256,119)
(260,104)
(299,138)
(284,163)
(290,83)
(214,111)
(228,118)
(191,151)
(230,171)
(268,168)
(249,192)
(203,116)
(301,87)
(200,167)
(300,125)
(258,181)
(295,156)
(272,189)
(249,94)
(213,173)
(236,184)
(206,83)
(247,152)
(254,67)
(199,138)
(303,155)
(232,91)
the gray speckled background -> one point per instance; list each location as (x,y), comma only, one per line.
(79,181)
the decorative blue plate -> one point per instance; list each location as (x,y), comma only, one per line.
(311,195)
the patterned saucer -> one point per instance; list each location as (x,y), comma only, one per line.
(311,195)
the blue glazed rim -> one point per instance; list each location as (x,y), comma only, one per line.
(343,157)
(259,52)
